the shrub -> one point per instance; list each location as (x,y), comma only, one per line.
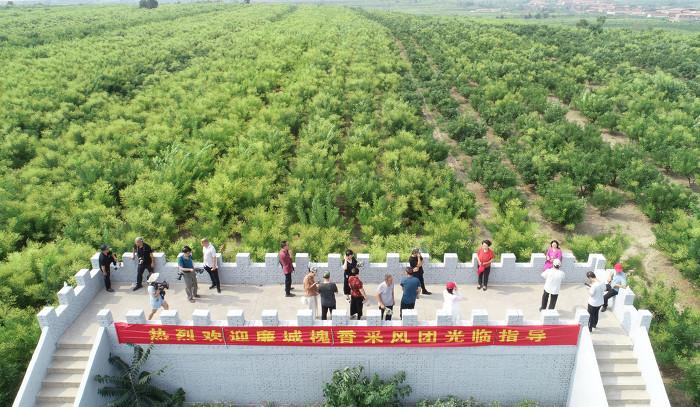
(349,387)
(513,232)
(660,199)
(611,245)
(466,127)
(605,199)
(561,204)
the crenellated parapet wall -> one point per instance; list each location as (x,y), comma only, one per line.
(243,271)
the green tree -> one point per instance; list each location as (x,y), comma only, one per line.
(514,232)
(605,199)
(132,385)
(350,387)
(561,204)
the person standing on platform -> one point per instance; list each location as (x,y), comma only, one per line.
(450,301)
(186,266)
(156,295)
(311,292)
(411,290)
(552,283)
(615,282)
(357,294)
(285,260)
(211,264)
(553,252)
(107,258)
(416,263)
(484,258)
(349,264)
(595,301)
(144,261)
(327,291)
(385,297)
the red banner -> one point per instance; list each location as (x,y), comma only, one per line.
(370,336)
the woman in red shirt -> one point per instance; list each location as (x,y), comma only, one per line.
(484,257)
(357,294)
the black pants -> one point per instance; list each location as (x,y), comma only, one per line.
(108,280)
(139,273)
(346,285)
(422,281)
(484,277)
(388,315)
(325,311)
(288,283)
(593,320)
(405,306)
(356,306)
(214,276)
(611,292)
(545,298)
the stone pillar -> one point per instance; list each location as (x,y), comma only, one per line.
(537,260)
(409,318)
(159,260)
(95,260)
(201,317)
(645,317)
(302,263)
(270,317)
(582,316)
(514,317)
(507,261)
(480,317)
(135,316)
(450,260)
(129,263)
(305,317)
(550,317)
(374,317)
(169,317)
(393,263)
(444,318)
(82,277)
(235,317)
(340,317)
(272,262)
(66,295)
(104,318)
(47,317)
(242,261)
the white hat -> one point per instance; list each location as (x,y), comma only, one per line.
(556,262)
(153,277)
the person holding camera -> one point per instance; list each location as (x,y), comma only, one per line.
(595,301)
(552,284)
(211,264)
(416,263)
(186,266)
(156,294)
(385,297)
(144,261)
(357,294)
(107,258)
(349,264)
(285,260)
(327,291)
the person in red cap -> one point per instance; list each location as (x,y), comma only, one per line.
(616,280)
(484,257)
(451,301)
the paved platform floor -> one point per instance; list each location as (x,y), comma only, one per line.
(253,299)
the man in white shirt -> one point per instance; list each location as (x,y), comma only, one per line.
(385,297)
(211,265)
(451,299)
(595,301)
(552,283)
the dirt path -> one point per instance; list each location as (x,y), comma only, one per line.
(457,161)
(633,223)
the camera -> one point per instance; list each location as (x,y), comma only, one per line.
(162,286)
(197,270)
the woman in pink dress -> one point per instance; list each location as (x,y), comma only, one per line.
(554,252)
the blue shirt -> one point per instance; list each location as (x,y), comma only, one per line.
(185,263)
(410,290)
(619,278)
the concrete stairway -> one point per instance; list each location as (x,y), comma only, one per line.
(60,386)
(622,379)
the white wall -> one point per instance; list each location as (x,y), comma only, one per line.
(36,371)
(243,271)
(586,384)
(650,369)
(98,364)
(252,375)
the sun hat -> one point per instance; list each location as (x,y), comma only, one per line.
(556,262)
(618,267)
(153,278)
(451,285)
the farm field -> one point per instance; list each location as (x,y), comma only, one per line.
(334,127)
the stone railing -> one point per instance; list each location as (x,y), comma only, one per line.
(244,271)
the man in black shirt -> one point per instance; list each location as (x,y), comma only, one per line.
(416,263)
(144,260)
(107,258)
